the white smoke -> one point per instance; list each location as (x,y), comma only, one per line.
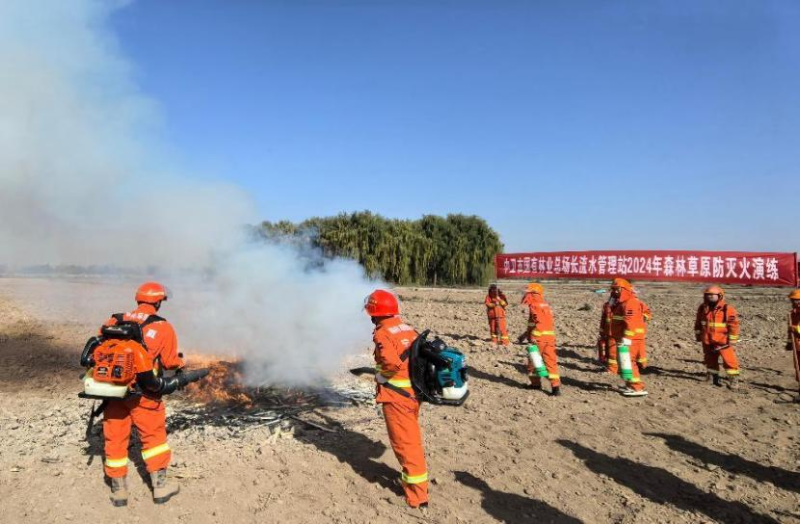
(81,183)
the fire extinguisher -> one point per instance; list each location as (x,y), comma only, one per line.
(624,359)
(535,358)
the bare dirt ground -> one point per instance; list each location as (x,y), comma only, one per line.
(689,452)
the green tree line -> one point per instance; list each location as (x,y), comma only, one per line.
(455,250)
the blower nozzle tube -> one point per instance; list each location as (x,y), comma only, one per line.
(187,377)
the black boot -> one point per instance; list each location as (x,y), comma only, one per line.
(556,392)
(717,381)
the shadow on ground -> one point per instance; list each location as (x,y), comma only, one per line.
(360,452)
(662,487)
(513,508)
(781,478)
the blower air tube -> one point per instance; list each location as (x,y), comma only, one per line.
(164,386)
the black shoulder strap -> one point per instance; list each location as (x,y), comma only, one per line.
(151,319)
(725,313)
(397,390)
(119,317)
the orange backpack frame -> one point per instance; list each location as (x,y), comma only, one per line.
(115,361)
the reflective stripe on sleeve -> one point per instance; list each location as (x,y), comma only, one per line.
(400,383)
(157,450)
(629,333)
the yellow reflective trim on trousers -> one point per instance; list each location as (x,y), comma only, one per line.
(797,328)
(152,452)
(554,377)
(400,383)
(540,333)
(635,380)
(117,463)
(639,330)
(732,371)
(733,337)
(717,324)
(416,479)
(612,361)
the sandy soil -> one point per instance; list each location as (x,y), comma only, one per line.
(689,452)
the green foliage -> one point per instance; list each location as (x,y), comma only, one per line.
(455,250)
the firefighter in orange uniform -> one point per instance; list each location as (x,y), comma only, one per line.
(793,343)
(717,328)
(147,411)
(393,339)
(541,333)
(496,303)
(627,337)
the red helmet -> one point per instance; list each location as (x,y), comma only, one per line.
(151,293)
(382,303)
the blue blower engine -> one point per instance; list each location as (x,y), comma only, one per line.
(438,372)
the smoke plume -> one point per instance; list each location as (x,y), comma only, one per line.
(81,183)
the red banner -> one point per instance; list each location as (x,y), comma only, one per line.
(725,267)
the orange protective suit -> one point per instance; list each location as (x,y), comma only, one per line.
(146,413)
(393,339)
(717,328)
(794,339)
(541,332)
(496,311)
(627,322)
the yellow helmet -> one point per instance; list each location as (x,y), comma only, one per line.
(622,284)
(794,295)
(533,287)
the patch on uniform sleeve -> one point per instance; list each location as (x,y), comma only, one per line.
(151,333)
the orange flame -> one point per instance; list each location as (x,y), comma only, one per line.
(223,385)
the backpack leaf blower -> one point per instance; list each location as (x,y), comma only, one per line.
(438,372)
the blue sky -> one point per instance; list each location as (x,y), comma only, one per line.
(567,125)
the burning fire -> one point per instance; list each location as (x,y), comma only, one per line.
(223,385)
